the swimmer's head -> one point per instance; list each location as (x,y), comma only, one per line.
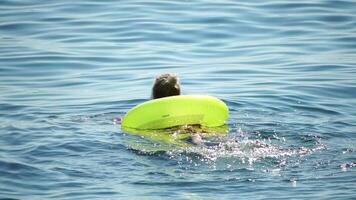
(166,85)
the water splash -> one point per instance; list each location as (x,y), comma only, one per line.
(245,151)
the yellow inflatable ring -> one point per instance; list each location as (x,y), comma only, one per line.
(173,111)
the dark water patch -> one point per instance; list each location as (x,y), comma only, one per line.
(18,26)
(322,68)
(12,168)
(316,109)
(336,18)
(12,107)
(331,92)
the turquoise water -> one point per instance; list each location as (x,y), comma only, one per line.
(286,69)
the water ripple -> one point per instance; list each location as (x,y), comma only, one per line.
(69,69)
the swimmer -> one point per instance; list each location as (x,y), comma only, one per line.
(168,85)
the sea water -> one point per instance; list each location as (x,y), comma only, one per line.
(286,69)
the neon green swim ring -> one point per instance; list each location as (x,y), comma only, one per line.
(167,112)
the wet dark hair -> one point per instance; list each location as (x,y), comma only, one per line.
(165,85)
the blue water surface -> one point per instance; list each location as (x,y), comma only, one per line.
(286,69)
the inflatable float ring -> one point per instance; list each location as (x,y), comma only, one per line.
(173,111)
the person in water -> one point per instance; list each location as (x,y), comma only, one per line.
(166,85)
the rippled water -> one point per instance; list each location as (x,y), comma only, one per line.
(287,71)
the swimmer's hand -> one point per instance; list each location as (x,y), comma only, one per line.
(117,120)
(195,139)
